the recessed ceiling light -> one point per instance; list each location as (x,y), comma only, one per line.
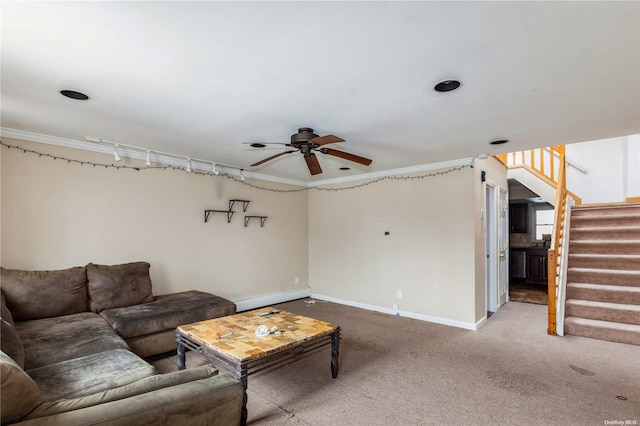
(257,145)
(447,86)
(74,95)
(499,142)
(345,168)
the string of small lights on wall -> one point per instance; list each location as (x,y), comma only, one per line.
(241,179)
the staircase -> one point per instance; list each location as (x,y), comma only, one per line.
(603,273)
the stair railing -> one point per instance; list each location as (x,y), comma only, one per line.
(550,164)
(555,251)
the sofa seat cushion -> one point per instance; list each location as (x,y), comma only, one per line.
(51,340)
(167,312)
(90,374)
(43,294)
(115,286)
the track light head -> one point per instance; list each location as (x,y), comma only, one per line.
(116,156)
(148,162)
(242,175)
(213,169)
(188,165)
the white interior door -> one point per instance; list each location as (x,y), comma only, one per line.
(503,247)
(491,247)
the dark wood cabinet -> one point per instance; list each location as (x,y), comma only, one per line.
(536,265)
(519,218)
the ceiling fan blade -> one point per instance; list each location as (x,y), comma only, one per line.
(272,157)
(346,156)
(313,164)
(266,143)
(327,139)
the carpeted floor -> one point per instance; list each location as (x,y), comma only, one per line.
(400,371)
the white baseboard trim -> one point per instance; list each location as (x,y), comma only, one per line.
(480,323)
(422,317)
(271,299)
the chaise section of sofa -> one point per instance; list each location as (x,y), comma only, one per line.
(149,328)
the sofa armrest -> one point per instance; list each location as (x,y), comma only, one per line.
(216,400)
(139,387)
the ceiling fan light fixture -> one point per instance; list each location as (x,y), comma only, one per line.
(447,86)
(74,95)
(499,142)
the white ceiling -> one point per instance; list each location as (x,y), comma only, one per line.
(199,78)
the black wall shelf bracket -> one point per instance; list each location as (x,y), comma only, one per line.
(228,212)
(247,219)
(245,204)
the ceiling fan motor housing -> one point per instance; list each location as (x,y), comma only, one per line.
(303,136)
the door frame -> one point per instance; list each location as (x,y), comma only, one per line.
(491,247)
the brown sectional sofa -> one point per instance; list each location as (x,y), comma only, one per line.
(73,343)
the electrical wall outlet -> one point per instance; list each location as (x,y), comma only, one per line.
(296,280)
(398,294)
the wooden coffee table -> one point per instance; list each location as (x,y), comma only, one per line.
(231,344)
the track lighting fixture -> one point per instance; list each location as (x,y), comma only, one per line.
(242,175)
(116,156)
(160,157)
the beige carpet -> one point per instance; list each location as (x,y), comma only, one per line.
(400,371)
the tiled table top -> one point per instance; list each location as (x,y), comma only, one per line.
(234,336)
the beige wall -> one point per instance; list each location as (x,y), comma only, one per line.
(56,215)
(429,254)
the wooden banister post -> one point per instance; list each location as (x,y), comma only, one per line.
(551,283)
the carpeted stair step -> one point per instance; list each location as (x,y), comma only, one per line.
(604,293)
(605,209)
(604,330)
(605,261)
(604,276)
(603,311)
(616,219)
(604,247)
(605,233)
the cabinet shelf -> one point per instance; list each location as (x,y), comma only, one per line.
(229,213)
(247,219)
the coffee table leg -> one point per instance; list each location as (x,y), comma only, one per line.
(335,346)
(243,380)
(181,364)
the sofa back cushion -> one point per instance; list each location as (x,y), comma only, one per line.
(11,343)
(115,286)
(44,294)
(20,394)
(5,313)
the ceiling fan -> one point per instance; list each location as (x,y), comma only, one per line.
(306,142)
